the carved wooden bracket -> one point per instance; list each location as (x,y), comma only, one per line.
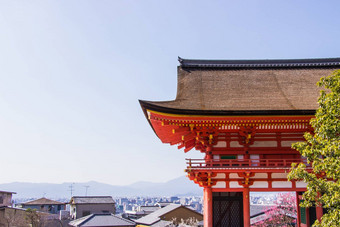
(247,135)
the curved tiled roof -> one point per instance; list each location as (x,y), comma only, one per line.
(246,87)
(267,63)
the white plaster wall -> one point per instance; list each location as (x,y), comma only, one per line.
(220,184)
(281,184)
(260,175)
(234,176)
(259,184)
(219,176)
(279,175)
(234,184)
(287,143)
(264,144)
(221,144)
(255,161)
(235,144)
(300,184)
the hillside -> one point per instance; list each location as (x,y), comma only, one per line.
(178,186)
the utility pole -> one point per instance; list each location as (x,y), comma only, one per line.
(71,189)
(86,187)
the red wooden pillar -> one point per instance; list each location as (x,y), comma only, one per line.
(208,209)
(307,217)
(246,207)
(319,212)
(298,215)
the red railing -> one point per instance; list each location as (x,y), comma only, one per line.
(238,163)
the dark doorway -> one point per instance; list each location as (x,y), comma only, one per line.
(312,215)
(227,209)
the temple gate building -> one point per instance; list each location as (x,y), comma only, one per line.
(243,115)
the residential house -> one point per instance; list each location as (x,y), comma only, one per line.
(6,198)
(133,214)
(81,206)
(162,204)
(99,220)
(45,205)
(148,209)
(173,213)
(141,211)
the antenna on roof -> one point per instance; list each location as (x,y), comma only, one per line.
(71,189)
(86,187)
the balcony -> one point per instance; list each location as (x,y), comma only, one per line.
(242,163)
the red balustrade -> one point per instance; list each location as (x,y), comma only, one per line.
(239,163)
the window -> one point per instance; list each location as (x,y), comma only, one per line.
(228,156)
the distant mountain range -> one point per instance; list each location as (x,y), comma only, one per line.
(177,187)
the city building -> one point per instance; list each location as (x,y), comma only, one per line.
(81,206)
(243,115)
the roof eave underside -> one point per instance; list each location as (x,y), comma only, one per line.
(148,105)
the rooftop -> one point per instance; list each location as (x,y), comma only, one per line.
(155,216)
(101,220)
(6,192)
(91,199)
(246,87)
(265,63)
(43,201)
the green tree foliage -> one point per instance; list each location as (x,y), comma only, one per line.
(322,150)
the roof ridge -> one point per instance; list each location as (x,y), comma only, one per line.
(156,214)
(43,200)
(259,63)
(123,219)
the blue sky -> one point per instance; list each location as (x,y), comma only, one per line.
(71,74)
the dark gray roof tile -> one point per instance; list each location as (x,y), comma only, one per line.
(91,199)
(101,220)
(267,63)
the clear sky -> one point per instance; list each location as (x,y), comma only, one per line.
(71,74)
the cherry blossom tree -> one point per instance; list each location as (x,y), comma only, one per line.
(282,213)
